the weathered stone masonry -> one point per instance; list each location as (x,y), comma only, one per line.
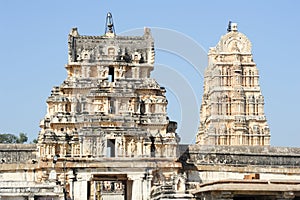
(106,134)
(232,109)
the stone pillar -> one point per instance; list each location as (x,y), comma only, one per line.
(214,108)
(80,146)
(80,190)
(119,149)
(137,186)
(139,148)
(260,108)
(99,70)
(147,150)
(71,177)
(124,147)
(147,185)
(53,150)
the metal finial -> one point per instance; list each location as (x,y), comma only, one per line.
(229,27)
(109,25)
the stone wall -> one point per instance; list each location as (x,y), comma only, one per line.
(17,153)
(242,155)
(205,164)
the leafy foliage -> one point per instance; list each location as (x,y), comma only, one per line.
(7,138)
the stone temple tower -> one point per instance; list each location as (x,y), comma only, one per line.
(108,106)
(232,110)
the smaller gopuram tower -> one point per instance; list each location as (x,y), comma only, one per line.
(232,110)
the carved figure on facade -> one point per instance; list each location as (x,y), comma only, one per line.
(120,71)
(131,105)
(107,186)
(103,71)
(123,105)
(132,147)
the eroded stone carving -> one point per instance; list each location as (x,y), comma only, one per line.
(232,110)
(109,94)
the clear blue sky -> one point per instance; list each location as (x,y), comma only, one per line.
(33,52)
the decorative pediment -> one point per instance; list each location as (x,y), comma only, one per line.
(234,42)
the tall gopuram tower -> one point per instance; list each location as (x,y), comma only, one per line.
(108,106)
(106,130)
(232,110)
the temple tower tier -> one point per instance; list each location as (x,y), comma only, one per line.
(232,110)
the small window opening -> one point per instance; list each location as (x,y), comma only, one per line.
(136,57)
(142,107)
(111,74)
(110,151)
(152,147)
(112,108)
(152,108)
(78,107)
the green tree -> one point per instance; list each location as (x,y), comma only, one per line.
(7,138)
(22,138)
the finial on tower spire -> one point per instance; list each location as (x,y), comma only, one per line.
(109,25)
(229,26)
(232,27)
